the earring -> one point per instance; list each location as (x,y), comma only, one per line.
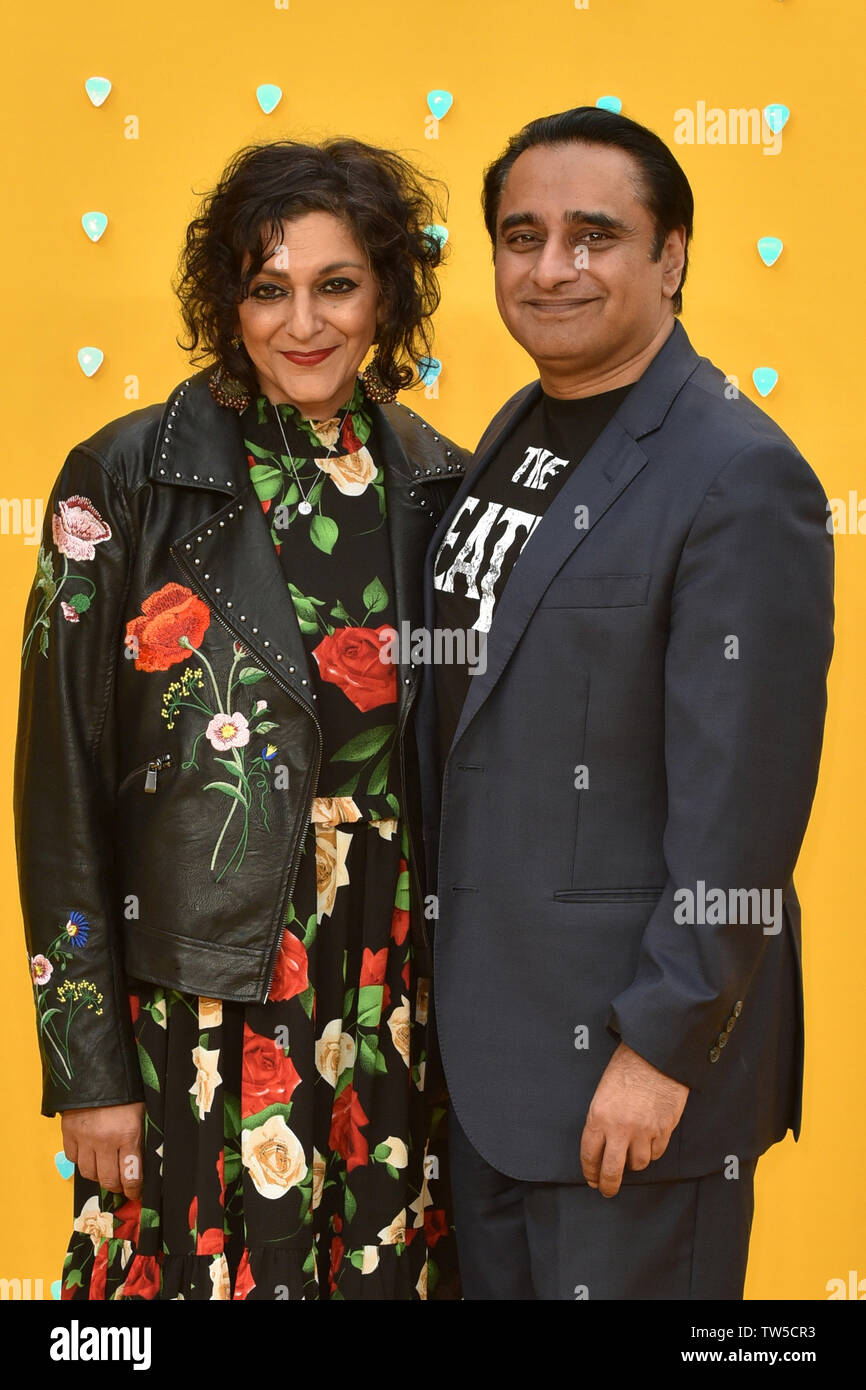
(237,342)
(227,390)
(375,387)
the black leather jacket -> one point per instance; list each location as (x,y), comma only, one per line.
(115,829)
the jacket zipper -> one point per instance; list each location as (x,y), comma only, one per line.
(152,769)
(272,958)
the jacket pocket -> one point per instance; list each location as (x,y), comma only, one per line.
(597,591)
(608,895)
(147,775)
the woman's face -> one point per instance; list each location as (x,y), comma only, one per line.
(309,318)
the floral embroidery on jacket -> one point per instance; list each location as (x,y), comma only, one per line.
(70,996)
(77,529)
(171,629)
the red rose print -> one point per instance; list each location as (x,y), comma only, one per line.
(98,1273)
(348,438)
(192,1214)
(373,966)
(404,975)
(346,1138)
(221,1174)
(349,658)
(134,1007)
(336,1257)
(244,1281)
(399,924)
(126,1220)
(268,1075)
(142,1281)
(210,1242)
(435,1225)
(290,975)
(170,613)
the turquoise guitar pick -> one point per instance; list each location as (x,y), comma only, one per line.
(90,359)
(440,102)
(97,88)
(64,1166)
(776,115)
(610,104)
(769,249)
(94,224)
(436,232)
(56,1288)
(765,379)
(269,97)
(428,369)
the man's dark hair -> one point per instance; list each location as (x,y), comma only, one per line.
(380,196)
(664,189)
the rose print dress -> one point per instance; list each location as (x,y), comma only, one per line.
(287,1145)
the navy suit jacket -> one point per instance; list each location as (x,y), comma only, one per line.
(648,726)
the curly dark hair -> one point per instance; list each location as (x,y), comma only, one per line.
(377,193)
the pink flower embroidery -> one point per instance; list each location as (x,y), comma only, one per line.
(228,731)
(70,614)
(79,528)
(41,970)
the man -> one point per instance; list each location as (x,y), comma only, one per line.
(628,775)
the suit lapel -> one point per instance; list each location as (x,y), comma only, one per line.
(601,477)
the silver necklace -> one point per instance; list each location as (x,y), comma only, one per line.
(305,507)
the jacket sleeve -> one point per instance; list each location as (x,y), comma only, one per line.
(64,782)
(750,641)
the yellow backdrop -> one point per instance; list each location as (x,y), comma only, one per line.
(184,79)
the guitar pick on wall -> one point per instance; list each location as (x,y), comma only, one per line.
(94,224)
(439,102)
(269,96)
(436,232)
(90,359)
(429,369)
(776,115)
(64,1165)
(770,249)
(609,103)
(765,379)
(97,88)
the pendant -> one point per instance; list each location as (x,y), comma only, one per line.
(304,508)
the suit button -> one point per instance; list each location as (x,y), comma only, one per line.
(737,1009)
(722,1040)
(715,1054)
(730,1024)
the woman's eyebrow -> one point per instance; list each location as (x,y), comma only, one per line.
(324,270)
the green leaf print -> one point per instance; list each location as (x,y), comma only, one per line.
(266,480)
(379,776)
(369,1005)
(148,1070)
(323,533)
(363,745)
(375,596)
(250,674)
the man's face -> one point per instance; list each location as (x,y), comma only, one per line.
(576,284)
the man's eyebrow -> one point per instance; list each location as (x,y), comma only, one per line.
(324,270)
(573,215)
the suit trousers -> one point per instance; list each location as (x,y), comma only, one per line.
(687,1239)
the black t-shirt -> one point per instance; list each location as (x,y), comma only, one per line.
(492,527)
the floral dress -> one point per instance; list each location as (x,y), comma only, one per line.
(289,1151)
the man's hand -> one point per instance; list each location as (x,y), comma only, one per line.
(104,1143)
(631,1117)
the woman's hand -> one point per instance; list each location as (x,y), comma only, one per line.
(104,1143)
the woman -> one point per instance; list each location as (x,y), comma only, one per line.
(215,787)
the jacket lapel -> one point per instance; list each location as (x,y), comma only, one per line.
(601,477)
(230,558)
